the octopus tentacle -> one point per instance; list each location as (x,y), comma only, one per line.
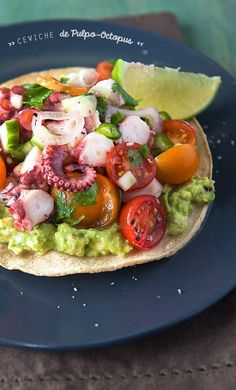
(53,161)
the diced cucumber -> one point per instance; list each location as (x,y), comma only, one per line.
(35,142)
(9,134)
(21,151)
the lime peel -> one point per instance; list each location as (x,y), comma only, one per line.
(182,94)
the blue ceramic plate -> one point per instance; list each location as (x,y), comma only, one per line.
(86,311)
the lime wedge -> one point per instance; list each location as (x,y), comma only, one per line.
(181,94)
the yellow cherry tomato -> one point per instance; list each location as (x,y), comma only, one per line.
(177,164)
(104,211)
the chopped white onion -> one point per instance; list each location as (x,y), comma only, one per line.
(16,100)
(150,112)
(104,88)
(60,133)
(82,78)
(85,104)
(153,188)
(126,181)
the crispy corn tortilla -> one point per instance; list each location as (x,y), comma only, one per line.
(59,264)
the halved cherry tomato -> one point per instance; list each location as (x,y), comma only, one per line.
(52,83)
(126,157)
(3,173)
(180,132)
(104,70)
(104,211)
(177,164)
(143,221)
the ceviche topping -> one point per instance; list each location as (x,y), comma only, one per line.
(80,160)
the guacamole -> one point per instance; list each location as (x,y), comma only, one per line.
(180,202)
(63,238)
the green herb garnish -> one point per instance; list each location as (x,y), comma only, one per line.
(129,101)
(65,205)
(87,197)
(35,95)
(144,151)
(101,106)
(134,157)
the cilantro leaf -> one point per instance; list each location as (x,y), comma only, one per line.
(86,197)
(35,95)
(127,98)
(134,157)
(144,151)
(65,206)
(101,106)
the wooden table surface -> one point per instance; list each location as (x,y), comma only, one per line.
(208,26)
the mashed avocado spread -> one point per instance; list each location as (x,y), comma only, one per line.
(180,202)
(63,238)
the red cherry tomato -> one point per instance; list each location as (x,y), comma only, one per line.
(180,132)
(25,118)
(104,70)
(125,157)
(143,221)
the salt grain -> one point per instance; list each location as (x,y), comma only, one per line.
(218,141)
(179,291)
(219,157)
(75,289)
(21,293)
(96,325)
(84,304)
(158,296)
(73,297)
(232,142)
(145,52)
(112,283)
(58,306)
